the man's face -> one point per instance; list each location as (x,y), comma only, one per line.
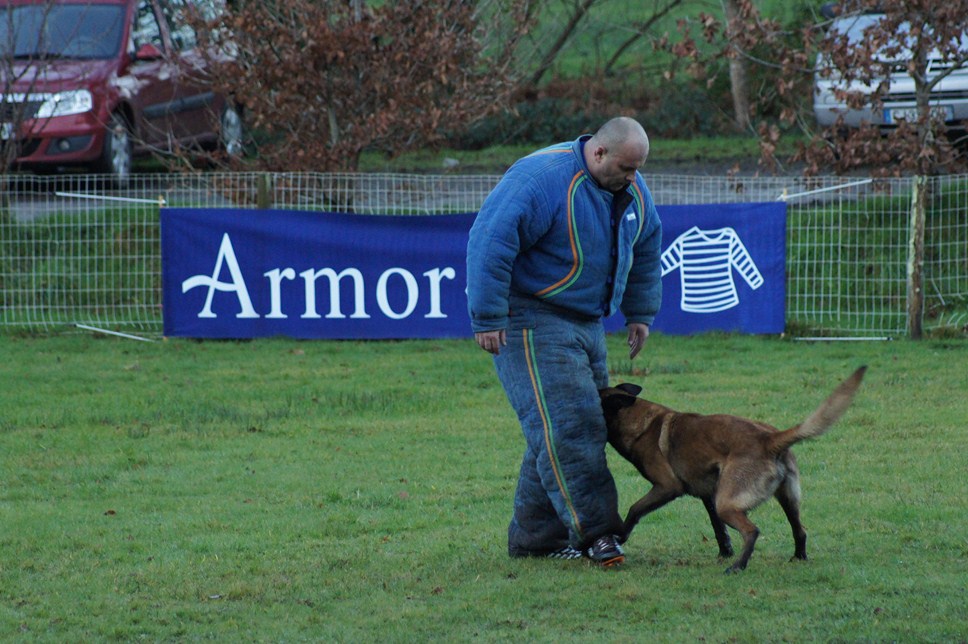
(615,168)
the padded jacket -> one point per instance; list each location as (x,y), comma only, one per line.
(549,232)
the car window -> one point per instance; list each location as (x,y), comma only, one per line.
(854,26)
(897,47)
(182,34)
(146,29)
(78,31)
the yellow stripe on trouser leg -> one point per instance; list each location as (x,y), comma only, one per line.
(535,375)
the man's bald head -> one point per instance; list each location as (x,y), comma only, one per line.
(616,151)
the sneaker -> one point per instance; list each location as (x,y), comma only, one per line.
(564,553)
(606,551)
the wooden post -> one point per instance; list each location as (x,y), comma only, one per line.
(5,215)
(915,262)
(264,191)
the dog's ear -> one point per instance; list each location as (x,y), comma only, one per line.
(612,403)
(619,398)
(629,388)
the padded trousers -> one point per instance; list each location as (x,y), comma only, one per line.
(551,369)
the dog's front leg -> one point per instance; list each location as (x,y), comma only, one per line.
(719,529)
(655,499)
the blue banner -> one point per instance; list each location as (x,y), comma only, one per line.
(723,268)
(251,273)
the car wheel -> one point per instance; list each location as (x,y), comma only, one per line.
(231,132)
(116,157)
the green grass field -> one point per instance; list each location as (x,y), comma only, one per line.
(278,490)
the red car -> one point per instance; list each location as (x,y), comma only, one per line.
(92,83)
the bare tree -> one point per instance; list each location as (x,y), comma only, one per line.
(920,38)
(923,39)
(21,62)
(641,29)
(325,80)
(579,11)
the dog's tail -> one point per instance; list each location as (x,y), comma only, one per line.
(823,416)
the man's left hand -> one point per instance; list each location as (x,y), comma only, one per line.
(638,334)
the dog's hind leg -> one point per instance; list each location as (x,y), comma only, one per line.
(743,485)
(788,494)
(719,529)
(738,520)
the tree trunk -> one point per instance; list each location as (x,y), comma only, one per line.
(738,69)
(915,264)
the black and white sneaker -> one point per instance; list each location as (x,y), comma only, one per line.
(564,553)
(606,551)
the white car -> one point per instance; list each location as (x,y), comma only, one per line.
(949,99)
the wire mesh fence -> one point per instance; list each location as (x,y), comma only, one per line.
(74,250)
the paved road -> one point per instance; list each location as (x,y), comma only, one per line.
(31,198)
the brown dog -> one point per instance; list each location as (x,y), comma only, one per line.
(731,463)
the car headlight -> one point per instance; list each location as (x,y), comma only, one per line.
(65,103)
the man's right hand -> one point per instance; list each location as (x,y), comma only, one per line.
(492,341)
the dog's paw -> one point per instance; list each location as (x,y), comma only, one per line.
(735,568)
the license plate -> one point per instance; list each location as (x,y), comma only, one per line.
(910,114)
(6,131)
